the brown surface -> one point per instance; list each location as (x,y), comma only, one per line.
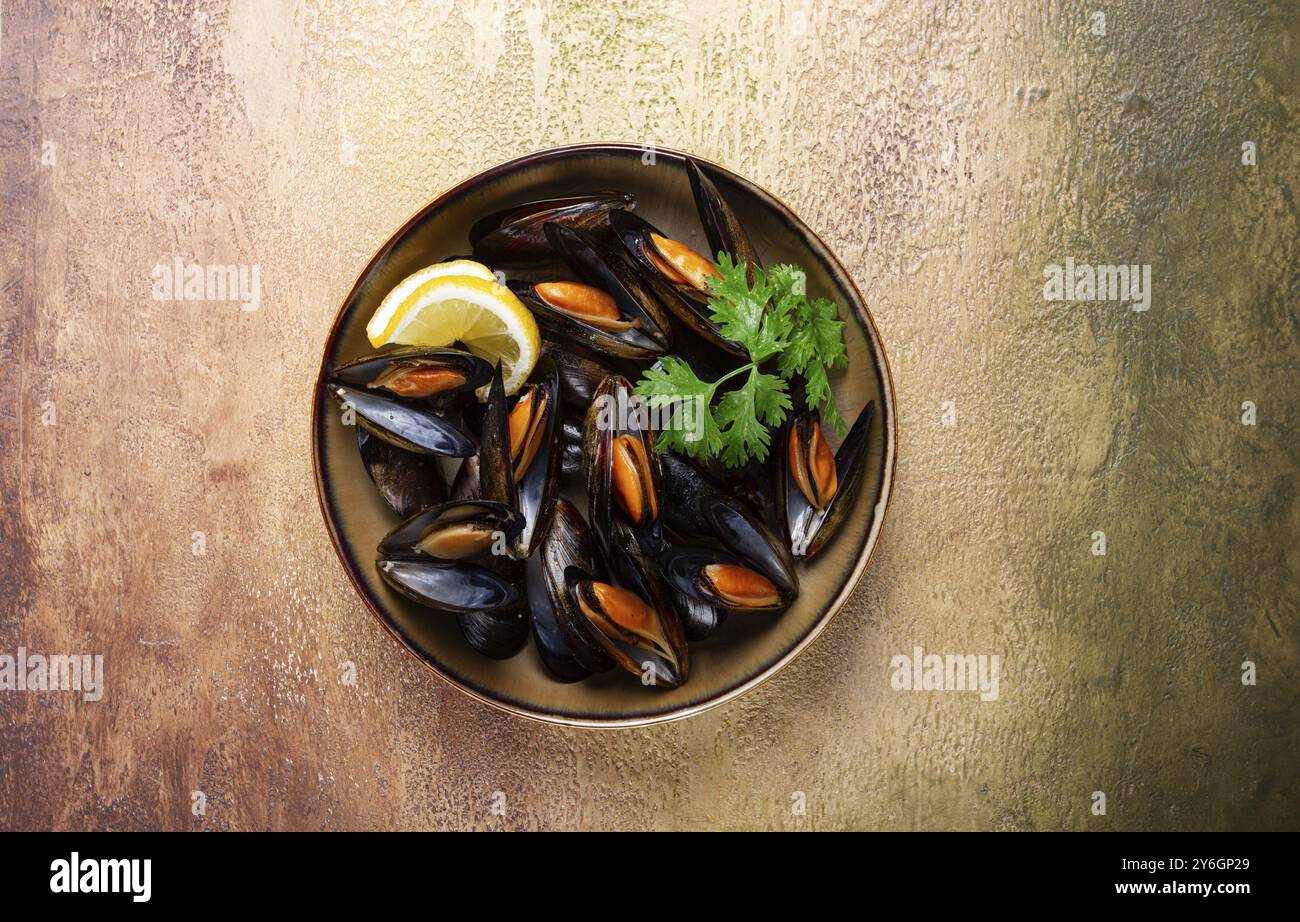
(947,154)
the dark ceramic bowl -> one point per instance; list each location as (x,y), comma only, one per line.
(748,649)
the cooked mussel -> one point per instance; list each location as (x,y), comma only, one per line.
(513,237)
(684,617)
(565,638)
(412,425)
(535,445)
(640,639)
(744,534)
(610,310)
(407,481)
(721,226)
(622,468)
(721,579)
(415,372)
(465,530)
(818,486)
(677,274)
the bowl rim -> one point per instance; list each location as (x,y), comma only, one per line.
(864,557)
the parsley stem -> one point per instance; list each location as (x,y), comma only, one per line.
(731,374)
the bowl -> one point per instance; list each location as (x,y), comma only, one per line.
(749,648)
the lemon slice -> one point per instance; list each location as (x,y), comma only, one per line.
(483,315)
(381,324)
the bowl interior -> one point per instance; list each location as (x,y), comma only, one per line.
(748,648)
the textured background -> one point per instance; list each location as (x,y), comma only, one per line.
(947,151)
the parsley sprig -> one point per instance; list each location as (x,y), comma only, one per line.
(769,316)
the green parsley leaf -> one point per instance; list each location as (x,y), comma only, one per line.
(769,314)
(673,384)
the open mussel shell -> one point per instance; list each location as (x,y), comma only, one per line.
(677,274)
(566,640)
(721,579)
(609,310)
(817,488)
(536,445)
(450,585)
(488,474)
(636,635)
(412,425)
(415,372)
(744,534)
(684,617)
(513,238)
(722,228)
(407,481)
(466,530)
(622,467)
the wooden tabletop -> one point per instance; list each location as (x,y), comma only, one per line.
(1105,498)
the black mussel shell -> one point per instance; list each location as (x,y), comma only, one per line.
(622,466)
(495,473)
(469,530)
(684,485)
(568,649)
(495,634)
(635,570)
(754,482)
(687,303)
(807,528)
(407,481)
(539,483)
(659,661)
(687,570)
(513,238)
(700,620)
(581,371)
(609,269)
(570,543)
(415,372)
(451,586)
(409,425)
(744,534)
(721,226)
(557,656)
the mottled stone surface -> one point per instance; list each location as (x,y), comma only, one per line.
(947,151)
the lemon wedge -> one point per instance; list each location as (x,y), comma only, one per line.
(482,314)
(381,324)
